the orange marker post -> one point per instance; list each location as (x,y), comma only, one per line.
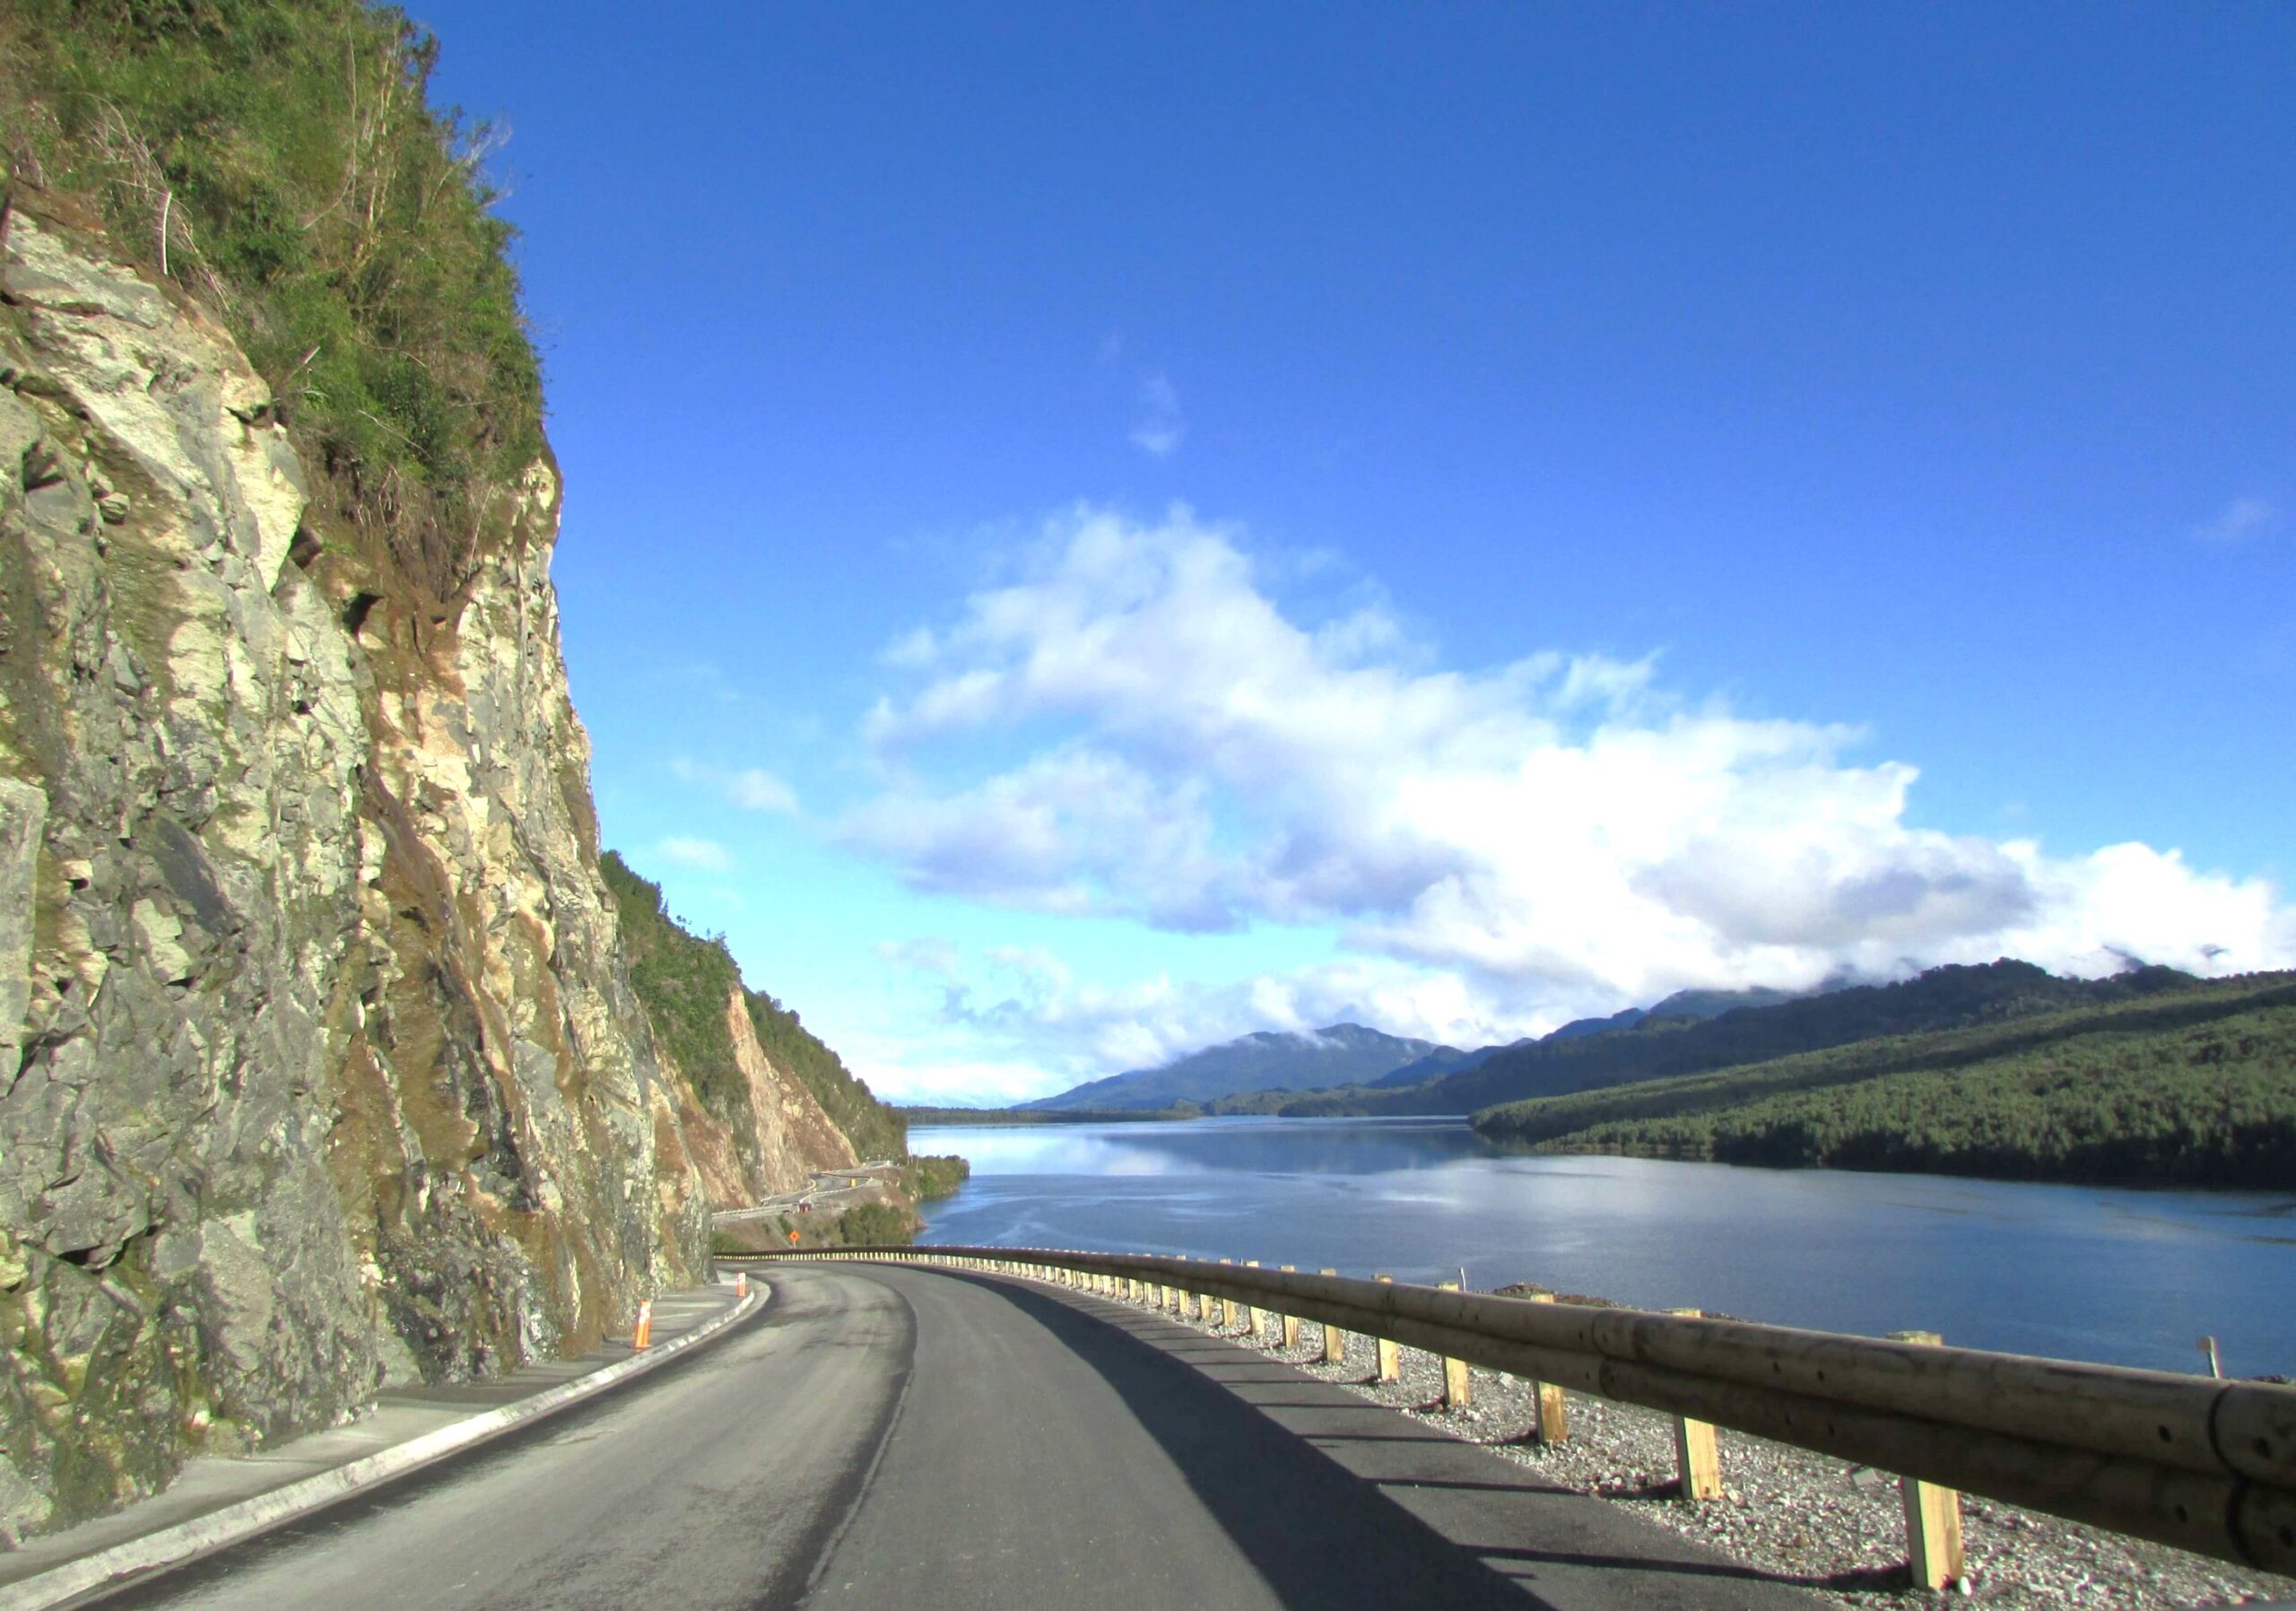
(643,1337)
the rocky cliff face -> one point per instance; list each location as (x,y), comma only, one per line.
(320,1064)
(773,1138)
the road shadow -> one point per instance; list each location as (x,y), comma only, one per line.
(1339,1503)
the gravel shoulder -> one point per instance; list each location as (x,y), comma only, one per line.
(1808,1518)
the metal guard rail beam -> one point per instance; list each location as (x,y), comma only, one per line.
(2204,1465)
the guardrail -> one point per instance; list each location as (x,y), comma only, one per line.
(2204,1465)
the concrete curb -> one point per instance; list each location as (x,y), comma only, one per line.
(205,1535)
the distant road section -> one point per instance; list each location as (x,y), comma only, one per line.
(891,1437)
(830,1186)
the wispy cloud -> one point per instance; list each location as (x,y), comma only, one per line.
(1161,427)
(753,789)
(929,954)
(705,854)
(2238,521)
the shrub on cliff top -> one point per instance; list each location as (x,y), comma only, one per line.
(279,159)
(686,983)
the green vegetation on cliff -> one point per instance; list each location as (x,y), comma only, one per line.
(279,160)
(2198,1087)
(685,982)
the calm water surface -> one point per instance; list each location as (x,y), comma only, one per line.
(2133,1277)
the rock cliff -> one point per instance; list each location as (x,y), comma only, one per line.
(775,1136)
(320,1064)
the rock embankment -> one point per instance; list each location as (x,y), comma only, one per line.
(320,1066)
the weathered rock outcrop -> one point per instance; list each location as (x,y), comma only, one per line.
(776,1136)
(319,1063)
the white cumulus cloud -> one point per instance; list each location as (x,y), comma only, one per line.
(1558,832)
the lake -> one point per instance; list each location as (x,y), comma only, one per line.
(2125,1276)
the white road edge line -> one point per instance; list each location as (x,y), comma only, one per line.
(205,1535)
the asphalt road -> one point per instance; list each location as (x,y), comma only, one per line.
(883,1436)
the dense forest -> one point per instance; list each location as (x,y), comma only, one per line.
(685,980)
(2193,1088)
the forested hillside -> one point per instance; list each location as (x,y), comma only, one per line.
(2195,1088)
(1659,1047)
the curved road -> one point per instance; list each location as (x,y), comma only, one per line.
(895,1437)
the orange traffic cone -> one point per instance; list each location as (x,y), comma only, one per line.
(741,1284)
(643,1337)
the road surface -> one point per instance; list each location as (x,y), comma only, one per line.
(829,1185)
(882,1436)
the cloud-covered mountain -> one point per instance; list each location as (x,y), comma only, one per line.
(1166,725)
(1344,1054)
(1663,1045)
(1684,1006)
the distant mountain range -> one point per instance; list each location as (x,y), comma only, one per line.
(1347,1055)
(1343,1054)
(1656,1046)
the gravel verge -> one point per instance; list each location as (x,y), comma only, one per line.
(1806,1518)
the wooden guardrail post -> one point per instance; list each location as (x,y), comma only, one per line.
(1291,1321)
(1458,1388)
(1554,1425)
(1933,1515)
(1253,1312)
(1390,1356)
(1334,1339)
(1697,1460)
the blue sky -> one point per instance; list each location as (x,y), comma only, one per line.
(1090,530)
